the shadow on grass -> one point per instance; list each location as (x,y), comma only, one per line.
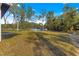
(65,39)
(37,51)
(6,35)
(50,46)
(60,37)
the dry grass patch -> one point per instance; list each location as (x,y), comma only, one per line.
(28,43)
(61,41)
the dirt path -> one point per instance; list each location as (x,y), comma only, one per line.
(52,50)
(41,48)
(75,39)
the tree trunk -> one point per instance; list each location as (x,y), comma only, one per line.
(13,22)
(5,24)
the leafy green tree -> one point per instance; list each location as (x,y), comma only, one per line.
(50,19)
(29,13)
(14,11)
(69,19)
(5,20)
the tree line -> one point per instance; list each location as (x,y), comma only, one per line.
(67,21)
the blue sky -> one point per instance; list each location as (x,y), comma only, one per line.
(37,7)
(48,6)
(56,7)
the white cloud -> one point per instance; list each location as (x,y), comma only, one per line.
(2,21)
(77,8)
(9,20)
(61,13)
(34,10)
(18,5)
(38,21)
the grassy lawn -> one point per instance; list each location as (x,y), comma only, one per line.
(37,43)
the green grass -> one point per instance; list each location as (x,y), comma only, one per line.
(29,43)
